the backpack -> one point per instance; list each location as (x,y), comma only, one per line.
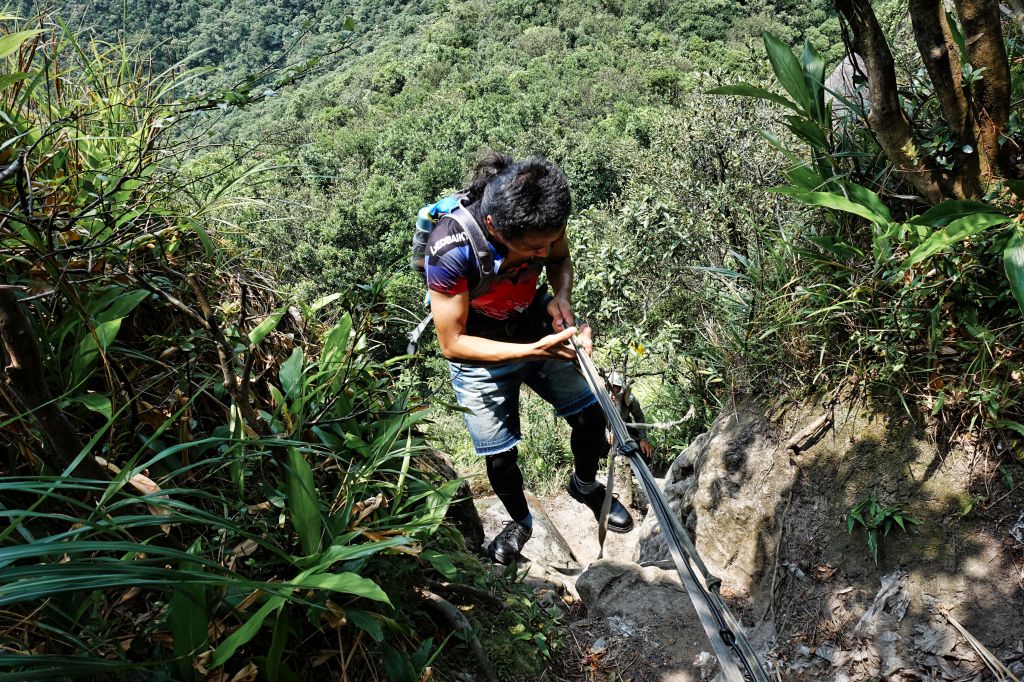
(427,218)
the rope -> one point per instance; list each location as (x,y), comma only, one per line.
(734,652)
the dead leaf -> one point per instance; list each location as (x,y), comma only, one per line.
(246,674)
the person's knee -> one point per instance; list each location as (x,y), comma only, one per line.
(589,419)
(502,464)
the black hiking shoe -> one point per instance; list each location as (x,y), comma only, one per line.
(508,545)
(619,519)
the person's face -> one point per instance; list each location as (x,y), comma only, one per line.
(616,389)
(533,246)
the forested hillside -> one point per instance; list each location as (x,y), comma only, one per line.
(217,462)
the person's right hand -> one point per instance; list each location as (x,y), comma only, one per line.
(554,346)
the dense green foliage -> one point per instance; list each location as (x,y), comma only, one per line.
(219,292)
(923,305)
(195,477)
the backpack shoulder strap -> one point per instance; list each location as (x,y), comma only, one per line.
(478,243)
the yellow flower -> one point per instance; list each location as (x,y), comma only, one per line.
(638,349)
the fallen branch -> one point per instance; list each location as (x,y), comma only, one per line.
(809,436)
(456,620)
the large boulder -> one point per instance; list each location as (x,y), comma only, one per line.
(726,487)
(765,496)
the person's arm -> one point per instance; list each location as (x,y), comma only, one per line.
(560,271)
(450,315)
(637,416)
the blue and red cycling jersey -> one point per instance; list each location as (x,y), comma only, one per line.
(452,268)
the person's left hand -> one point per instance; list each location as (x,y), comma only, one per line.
(645,447)
(562,317)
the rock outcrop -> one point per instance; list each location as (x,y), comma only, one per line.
(764,498)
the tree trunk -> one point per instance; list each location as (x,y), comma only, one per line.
(887,120)
(942,62)
(27,381)
(983,35)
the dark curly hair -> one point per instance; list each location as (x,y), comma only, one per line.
(524,197)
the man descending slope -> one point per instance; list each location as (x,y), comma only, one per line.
(509,333)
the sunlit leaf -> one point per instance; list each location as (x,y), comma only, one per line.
(954,233)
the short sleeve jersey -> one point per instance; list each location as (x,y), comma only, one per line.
(452,268)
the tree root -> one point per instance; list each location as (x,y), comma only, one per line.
(466,591)
(456,620)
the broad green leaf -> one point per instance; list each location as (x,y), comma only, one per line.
(345,552)
(336,342)
(1009,424)
(954,233)
(324,301)
(942,214)
(1013,265)
(89,349)
(868,199)
(814,76)
(9,79)
(275,669)
(122,305)
(787,70)
(303,503)
(397,666)
(804,178)
(838,248)
(840,203)
(10,43)
(246,632)
(95,402)
(349,24)
(367,622)
(347,583)
(291,373)
(807,130)
(745,90)
(441,562)
(266,326)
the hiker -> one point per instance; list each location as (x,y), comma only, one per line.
(514,333)
(630,410)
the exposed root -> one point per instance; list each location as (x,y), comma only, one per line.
(456,620)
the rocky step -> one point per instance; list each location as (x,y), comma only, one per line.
(639,622)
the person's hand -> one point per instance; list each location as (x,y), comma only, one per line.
(554,346)
(645,447)
(562,317)
(560,311)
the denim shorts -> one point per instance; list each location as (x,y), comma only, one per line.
(491,393)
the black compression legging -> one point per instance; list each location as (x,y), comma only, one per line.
(589,447)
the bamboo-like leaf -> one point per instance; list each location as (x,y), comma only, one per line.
(840,203)
(303,503)
(942,214)
(954,233)
(745,90)
(787,70)
(187,619)
(266,326)
(1013,266)
(10,43)
(291,373)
